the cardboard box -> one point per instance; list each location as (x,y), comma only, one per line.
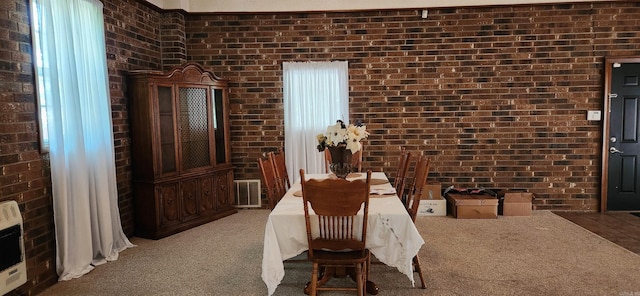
(517,204)
(432,191)
(431,202)
(472,206)
(433,207)
(500,192)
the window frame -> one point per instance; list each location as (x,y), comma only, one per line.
(38,65)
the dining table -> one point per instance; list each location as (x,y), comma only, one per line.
(392,237)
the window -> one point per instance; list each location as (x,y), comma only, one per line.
(73,92)
(39,66)
(316,94)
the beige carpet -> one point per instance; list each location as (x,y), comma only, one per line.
(539,255)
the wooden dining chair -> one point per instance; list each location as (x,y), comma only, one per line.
(356,160)
(336,233)
(412,202)
(270,181)
(327,160)
(401,173)
(279,163)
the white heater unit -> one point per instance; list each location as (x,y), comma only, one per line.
(13,268)
(248,193)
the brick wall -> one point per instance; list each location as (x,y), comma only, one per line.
(24,172)
(174,49)
(132,38)
(133,42)
(496,96)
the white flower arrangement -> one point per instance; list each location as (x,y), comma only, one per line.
(343,135)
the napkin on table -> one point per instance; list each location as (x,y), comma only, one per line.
(383,191)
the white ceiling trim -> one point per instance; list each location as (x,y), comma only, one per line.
(226,6)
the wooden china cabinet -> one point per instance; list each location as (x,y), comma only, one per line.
(181,158)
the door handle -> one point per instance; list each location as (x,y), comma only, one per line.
(615,150)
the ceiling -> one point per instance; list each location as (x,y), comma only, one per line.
(244,6)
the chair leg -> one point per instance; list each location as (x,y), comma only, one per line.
(314,280)
(360,272)
(369,286)
(365,277)
(418,269)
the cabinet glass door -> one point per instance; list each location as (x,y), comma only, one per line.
(194,127)
(219,125)
(167,136)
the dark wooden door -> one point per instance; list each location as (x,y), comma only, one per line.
(623,141)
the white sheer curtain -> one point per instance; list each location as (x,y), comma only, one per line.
(316,94)
(69,48)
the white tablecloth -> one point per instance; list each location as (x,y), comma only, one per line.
(391,235)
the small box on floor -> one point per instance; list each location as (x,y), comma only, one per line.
(432,203)
(472,206)
(500,192)
(517,204)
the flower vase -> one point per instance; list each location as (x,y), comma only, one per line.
(340,161)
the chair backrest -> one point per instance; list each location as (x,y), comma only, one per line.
(280,165)
(336,225)
(270,181)
(356,160)
(419,180)
(327,160)
(401,173)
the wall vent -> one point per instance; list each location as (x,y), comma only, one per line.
(248,193)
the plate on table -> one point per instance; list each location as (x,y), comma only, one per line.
(379,181)
(379,196)
(349,176)
(382,192)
